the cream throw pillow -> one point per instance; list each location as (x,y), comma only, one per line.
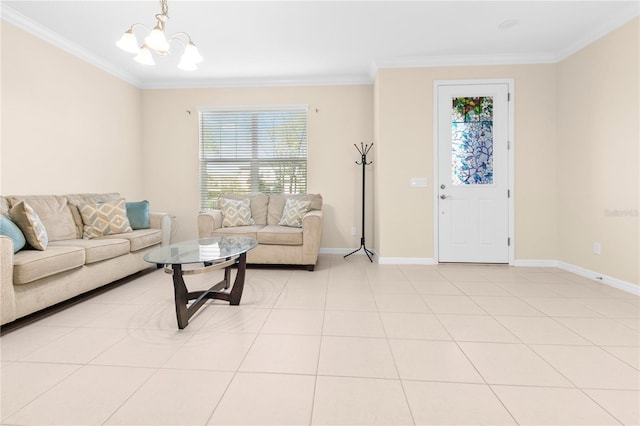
(29,223)
(101,219)
(293,212)
(236,212)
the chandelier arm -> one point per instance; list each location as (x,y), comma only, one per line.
(174,36)
(138,24)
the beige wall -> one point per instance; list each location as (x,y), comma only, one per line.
(70,127)
(576,157)
(404,136)
(343,117)
(598,155)
(67,126)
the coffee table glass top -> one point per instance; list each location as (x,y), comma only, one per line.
(202,250)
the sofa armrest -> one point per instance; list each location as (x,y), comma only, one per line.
(208,222)
(312,223)
(161,221)
(7,294)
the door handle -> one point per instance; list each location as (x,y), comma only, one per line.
(442,197)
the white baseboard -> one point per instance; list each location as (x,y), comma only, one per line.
(407,261)
(536,263)
(583,272)
(605,279)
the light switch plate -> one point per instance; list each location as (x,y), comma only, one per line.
(418,182)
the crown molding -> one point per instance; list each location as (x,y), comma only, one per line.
(14,17)
(345,80)
(487,60)
(453,61)
(601,31)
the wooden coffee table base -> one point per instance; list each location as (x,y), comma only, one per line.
(222,290)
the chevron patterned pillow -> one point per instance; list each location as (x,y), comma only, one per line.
(30,224)
(101,219)
(293,212)
(236,212)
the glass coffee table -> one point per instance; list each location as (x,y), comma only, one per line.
(212,254)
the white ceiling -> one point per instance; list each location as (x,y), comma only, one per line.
(319,42)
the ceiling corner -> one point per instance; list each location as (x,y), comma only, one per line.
(14,17)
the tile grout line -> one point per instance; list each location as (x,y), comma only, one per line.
(395,364)
(477,370)
(590,343)
(235,373)
(576,386)
(315,379)
(62,379)
(156,369)
(490,386)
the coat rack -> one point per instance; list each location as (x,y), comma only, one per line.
(363,151)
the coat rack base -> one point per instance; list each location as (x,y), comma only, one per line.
(368,252)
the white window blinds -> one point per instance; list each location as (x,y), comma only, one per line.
(252,150)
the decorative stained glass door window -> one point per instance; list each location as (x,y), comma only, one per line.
(472,140)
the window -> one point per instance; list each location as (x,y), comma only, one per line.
(472,138)
(247,150)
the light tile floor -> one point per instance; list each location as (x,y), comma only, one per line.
(351,343)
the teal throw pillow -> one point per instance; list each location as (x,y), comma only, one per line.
(11,230)
(138,214)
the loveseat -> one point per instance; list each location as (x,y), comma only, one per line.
(75,243)
(288,228)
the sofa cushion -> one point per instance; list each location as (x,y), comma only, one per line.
(282,235)
(277,202)
(31,265)
(238,231)
(97,249)
(138,214)
(259,204)
(140,238)
(30,224)
(104,218)
(293,212)
(11,230)
(54,213)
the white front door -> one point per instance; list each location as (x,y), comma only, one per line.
(473,173)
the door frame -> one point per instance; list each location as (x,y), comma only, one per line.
(510,157)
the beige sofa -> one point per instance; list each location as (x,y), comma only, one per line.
(277,245)
(31,280)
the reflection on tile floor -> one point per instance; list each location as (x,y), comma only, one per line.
(351,343)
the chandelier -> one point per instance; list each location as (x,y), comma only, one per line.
(158,42)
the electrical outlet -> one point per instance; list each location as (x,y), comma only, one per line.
(353,231)
(596,248)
